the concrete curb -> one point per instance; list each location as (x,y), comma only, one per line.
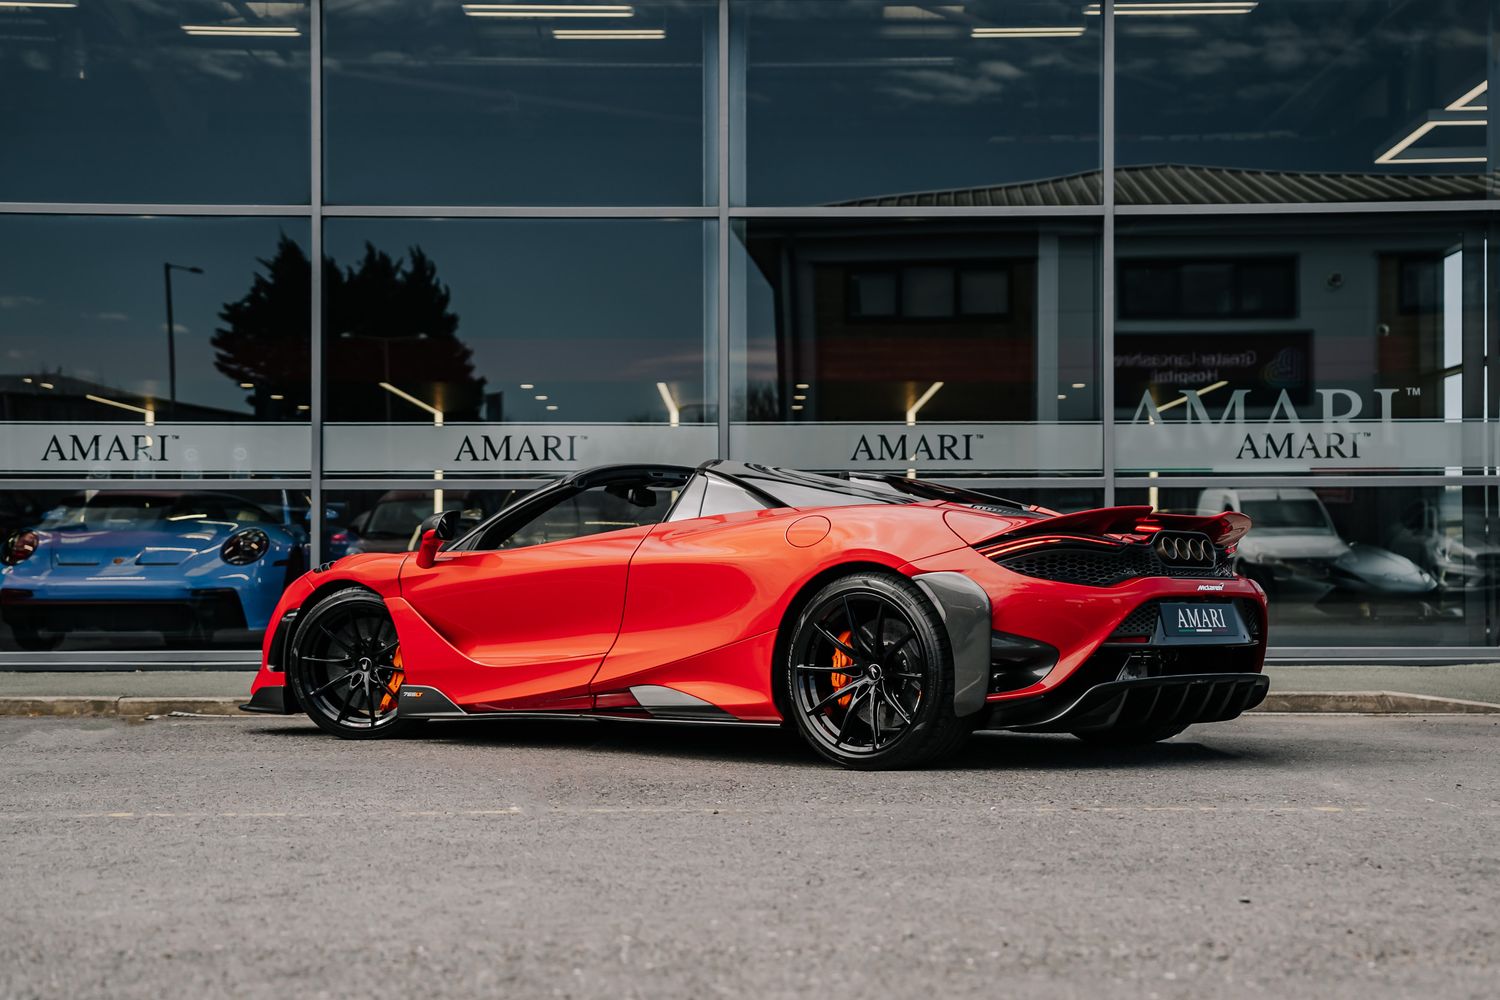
(1371,703)
(133,708)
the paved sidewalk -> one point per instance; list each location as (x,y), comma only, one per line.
(1471,682)
(127,684)
(1361,689)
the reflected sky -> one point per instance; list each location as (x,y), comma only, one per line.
(84,297)
(1312,85)
(591,313)
(848,99)
(149,101)
(425,105)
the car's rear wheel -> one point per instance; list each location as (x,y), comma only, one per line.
(346,667)
(869,675)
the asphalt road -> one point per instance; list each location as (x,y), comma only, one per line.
(1273,856)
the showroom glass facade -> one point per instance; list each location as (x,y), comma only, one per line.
(279,279)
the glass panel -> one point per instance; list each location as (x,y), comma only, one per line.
(516,346)
(110,569)
(1065,501)
(387,520)
(593,512)
(1363,566)
(725,498)
(1302,346)
(1313,101)
(961,348)
(974,102)
(519,104)
(192,102)
(93,383)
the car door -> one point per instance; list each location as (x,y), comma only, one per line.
(533,608)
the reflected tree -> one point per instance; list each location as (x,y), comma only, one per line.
(260,345)
(385,320)
(388,320)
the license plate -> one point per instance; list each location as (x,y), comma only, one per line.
(1181,621)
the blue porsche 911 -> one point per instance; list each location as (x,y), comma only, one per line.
(186,565)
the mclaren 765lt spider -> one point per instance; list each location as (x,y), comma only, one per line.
(885,619)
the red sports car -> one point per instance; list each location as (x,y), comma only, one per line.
(884,618)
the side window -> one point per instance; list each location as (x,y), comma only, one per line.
(691,501)
(590,512)
(727,498)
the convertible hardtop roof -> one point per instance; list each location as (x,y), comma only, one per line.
(789,487)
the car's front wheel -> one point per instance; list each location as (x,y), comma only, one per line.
(869,675)
(346,666)
(33,639)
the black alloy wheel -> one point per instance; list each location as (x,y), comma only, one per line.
(346,666)
(870,675)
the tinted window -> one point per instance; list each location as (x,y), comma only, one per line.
(137,570)
(846,100)
(726,498)
(592,512)
(1317,100)
(123,511)
(1196,288)
(877,321)
(1286,514)
(386,521)
(450,104)
(83,319)
(802,489)
(141,101)
(534,321)
(690,502)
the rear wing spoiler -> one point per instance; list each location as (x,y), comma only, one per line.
(1223,529)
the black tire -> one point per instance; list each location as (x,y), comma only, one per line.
(33,640)
(345,667)
(1130,736)
(898,710)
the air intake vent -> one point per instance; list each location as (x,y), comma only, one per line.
(1093,567)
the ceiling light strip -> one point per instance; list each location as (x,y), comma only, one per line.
(548,10)
(1186,8)
(1062,31)
(607,34)
(282,31)
(1462,104)
(1393,155)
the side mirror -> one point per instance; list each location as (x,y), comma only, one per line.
(445,524)
(436,530)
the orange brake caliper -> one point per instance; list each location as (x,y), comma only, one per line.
(387,700)
(841,659)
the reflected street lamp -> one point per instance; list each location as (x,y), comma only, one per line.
(166,273)
(385,352)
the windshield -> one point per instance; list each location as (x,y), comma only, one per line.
(133,512)
(397,518)
(1307,514)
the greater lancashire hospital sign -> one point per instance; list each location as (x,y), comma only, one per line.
(1339,431)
